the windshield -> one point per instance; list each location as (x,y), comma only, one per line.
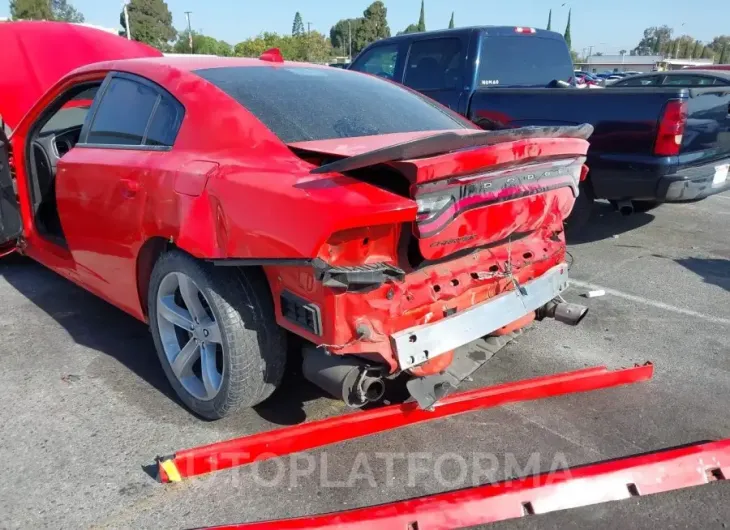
(523,61)
(300,103)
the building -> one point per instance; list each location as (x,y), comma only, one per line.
(597,64)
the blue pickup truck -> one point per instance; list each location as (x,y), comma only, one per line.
(651,144)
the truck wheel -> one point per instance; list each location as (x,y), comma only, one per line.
(215,333)
(644,206)
(582,210)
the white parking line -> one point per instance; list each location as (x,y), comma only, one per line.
(653,303)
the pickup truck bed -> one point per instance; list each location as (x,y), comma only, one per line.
(621,158)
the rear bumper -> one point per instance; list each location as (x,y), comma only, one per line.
(418,344)
(664,179)
(694,183)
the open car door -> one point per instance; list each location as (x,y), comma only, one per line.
(10,222)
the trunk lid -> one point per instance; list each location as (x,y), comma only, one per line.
(36,55)
(473,188)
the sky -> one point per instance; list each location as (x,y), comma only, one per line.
(607,25)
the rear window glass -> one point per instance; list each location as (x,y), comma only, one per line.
(523,61)
(435,64)
(301,103)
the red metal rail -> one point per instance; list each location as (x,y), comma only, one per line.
(288,440)
(571,488)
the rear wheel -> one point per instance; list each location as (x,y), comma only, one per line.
(215,334)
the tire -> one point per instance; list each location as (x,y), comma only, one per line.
(644,206)
(248,352)
(582,210)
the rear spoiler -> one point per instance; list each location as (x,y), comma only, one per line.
(450,141)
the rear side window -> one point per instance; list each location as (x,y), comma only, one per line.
(639,81)
(435,64)
(687,80)
(299,103)
(132,113)
(523,60)
(378,61)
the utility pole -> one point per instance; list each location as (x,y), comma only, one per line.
(126,20)
(349,32)
(190,31)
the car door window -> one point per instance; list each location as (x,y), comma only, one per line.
(638,81)
(133,114)
(435,64)
(721,82)
(687,80)
(379,61)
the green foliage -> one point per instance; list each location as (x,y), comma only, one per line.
(567,31)
(202,44)
(724,54)
(653,39)
(451,22)
(422,18)
(411,28)
(297,27)
(697,50)
(550,21)
(311,47)
(30,10)
(151,23)
(372,26)
(59,10)
(65,12)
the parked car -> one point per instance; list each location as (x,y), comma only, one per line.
(226,201)
(644,150)
(709,67)
(677,78)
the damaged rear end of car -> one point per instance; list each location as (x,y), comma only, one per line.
(417,234)
(484,254)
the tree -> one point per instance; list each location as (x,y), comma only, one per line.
(622,52)
(724,54)
(550,21)
(312,46)
(65,12)
(422,18)
(717,44)
(340,36)
(410,28)
(202,44)
(151,23)
(30,10)
(451,22)
(697,50)
(374,25)
(298,25)
(567,31)
(653,39)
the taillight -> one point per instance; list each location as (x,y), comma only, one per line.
(525,30)
(361,246)
(671,128)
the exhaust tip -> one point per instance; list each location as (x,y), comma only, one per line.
(571,314)
(373,389)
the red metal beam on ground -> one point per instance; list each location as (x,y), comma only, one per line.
(307,436)
(571,488)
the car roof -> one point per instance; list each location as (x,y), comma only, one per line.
(494,31)
(708,73)
(192,63)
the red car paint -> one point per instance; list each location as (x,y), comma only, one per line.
(35,55)
(313,435)
(218,197)
(614,480)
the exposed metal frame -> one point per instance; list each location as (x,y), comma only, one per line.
(419,344)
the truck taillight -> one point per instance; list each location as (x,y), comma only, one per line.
(671,128)
(525,30)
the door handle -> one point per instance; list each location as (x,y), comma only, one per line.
(130,187)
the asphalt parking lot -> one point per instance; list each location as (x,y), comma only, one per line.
(85,405)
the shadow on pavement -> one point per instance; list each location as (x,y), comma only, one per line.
(606,222)
(713,271)
(95,324)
